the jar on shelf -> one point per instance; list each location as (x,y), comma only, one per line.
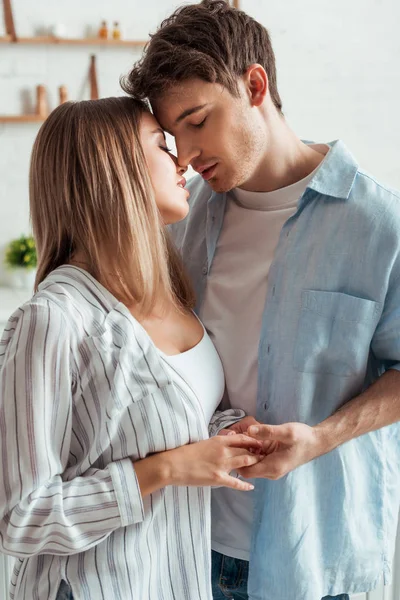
(103,31)
(116,32)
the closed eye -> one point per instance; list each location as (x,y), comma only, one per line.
(166,149)
(200,125)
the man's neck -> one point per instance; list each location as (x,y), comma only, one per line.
(286,161)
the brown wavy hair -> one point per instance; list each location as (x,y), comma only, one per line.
(91,192)
(211,41)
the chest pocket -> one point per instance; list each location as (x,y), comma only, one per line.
(334,333)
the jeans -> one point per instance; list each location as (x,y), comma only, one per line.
(230,575)
(64,592)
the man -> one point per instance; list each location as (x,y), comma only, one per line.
(295,256)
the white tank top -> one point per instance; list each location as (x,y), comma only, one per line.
(201,369)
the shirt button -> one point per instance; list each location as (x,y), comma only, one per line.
(268,349)
(204,271)
(265,405)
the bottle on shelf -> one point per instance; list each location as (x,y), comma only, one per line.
(63,95)
(94,87)
(116,32)
(103,31)
(42,107)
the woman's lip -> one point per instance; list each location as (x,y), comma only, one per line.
(208,173)
(181,184)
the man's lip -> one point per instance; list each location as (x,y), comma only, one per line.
(209,172)
(205,167)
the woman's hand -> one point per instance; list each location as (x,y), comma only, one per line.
(205,463)
(239,427)
(209,462)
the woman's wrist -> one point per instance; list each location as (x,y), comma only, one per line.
(168,467)
(153,473)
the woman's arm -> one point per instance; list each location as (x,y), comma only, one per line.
(40,513)
(205,463)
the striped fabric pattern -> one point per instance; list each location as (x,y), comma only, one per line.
(83,394)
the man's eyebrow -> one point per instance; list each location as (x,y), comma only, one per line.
(189,111)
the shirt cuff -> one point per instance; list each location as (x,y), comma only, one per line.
(224,419)
(127,491)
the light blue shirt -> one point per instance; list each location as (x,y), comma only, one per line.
(331,326)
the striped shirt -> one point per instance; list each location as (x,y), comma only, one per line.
(84,394)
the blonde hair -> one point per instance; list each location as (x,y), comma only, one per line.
(90,191)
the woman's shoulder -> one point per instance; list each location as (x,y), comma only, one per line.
(92,310)
(70,285)
(36,324)
(75,312)
(103,326)
(82,300)
(66,298)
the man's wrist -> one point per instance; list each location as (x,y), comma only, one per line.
(325,438)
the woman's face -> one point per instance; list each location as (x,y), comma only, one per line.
(166,177)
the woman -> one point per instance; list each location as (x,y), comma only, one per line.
(108,380)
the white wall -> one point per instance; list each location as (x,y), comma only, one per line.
(338,73)
(337,61)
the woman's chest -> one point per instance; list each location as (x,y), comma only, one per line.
(130,402)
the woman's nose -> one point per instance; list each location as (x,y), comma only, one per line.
(181,170)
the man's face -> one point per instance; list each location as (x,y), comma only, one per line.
(220,136)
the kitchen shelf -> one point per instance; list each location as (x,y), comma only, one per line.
(21,119)
(7,39)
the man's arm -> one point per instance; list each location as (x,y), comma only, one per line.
(290,445)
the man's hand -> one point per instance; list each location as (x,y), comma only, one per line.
(239,427)
(286,447)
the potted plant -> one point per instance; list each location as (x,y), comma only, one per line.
(21,261)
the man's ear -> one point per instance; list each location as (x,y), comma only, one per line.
(256,82)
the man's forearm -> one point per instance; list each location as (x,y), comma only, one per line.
(290,445)
(375,408)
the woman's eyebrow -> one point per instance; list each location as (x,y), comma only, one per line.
(159,130)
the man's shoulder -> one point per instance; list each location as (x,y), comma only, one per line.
(365,182)
(374,197)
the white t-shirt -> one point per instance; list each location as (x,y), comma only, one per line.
(232,314)
(201,368)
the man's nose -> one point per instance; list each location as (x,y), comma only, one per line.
(180,169)
(186,152)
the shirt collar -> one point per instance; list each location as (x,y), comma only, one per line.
(333,179)
(337,172)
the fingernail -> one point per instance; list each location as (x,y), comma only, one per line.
(250,487)
(253,429)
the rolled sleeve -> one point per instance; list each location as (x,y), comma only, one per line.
(222,419)
(127,491)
